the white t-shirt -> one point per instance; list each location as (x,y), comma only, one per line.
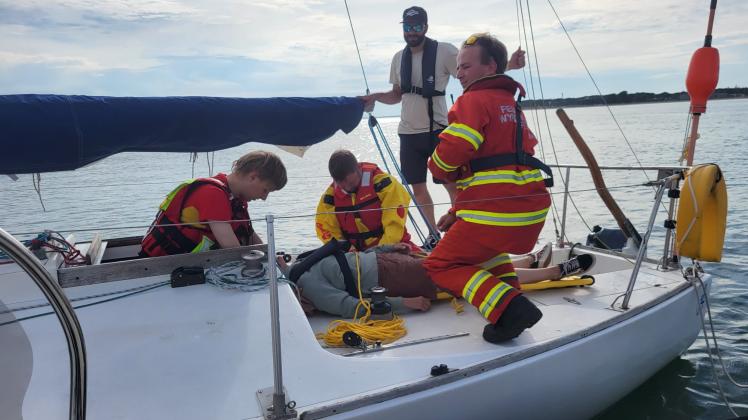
(414,117)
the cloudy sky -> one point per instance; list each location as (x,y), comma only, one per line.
(264,48)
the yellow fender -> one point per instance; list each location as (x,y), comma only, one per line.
(702,214)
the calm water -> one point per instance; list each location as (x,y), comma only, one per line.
(119,195)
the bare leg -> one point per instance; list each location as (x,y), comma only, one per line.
(523,261)
(423,199)
(534,275)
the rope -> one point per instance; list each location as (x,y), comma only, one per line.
(380,331)
(708,347)
(116,292)
(155,286)
(36,179)
(714,336)
(229,276)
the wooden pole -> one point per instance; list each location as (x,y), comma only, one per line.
(597,178)
(691,148)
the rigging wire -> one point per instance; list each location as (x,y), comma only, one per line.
(520,27)
(355,42)
(432,229)
(600,94)
(537,117)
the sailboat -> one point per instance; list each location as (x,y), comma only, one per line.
(140,349)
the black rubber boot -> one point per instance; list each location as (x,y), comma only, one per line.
(518,316)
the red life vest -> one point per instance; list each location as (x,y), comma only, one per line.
(366,199)
(169,240)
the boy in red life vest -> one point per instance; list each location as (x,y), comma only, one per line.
(363,205)
(502,198)
(216,207)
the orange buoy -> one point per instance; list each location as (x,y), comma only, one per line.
(702,78)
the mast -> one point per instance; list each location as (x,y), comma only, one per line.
(702,78)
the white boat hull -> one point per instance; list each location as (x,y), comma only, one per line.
(574,381)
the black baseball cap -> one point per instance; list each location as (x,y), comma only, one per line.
(415,14)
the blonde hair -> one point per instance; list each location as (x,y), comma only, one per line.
(267,165)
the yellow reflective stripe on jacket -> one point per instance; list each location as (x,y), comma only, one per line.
(170,197)
(472,285)
(204,245)
(502,219)
(509,274)
(440,163)
(496,261)
(465,132)
(501,177)
(492,298)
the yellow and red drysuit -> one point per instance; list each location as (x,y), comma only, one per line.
(500,206)
(373,215)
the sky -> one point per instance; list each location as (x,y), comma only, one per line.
(263,48)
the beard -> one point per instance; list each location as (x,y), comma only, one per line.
(414,40)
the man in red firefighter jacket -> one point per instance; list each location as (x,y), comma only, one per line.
(363,205)
(215,208)
(502,198)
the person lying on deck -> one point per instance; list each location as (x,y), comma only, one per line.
(215,208)
(323,286)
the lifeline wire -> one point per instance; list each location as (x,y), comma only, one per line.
(315,214)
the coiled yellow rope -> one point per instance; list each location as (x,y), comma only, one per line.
(383,331)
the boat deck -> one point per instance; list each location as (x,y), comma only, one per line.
(202,352)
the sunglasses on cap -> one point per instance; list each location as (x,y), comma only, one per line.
(419,27)
(475,39)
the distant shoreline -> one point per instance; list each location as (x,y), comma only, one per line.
(625,98)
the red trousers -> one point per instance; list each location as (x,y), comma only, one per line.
(472,261)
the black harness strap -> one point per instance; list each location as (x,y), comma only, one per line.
(428,76)
(309,258)
(173,241)
(356,207)
(519,157)
(384,183)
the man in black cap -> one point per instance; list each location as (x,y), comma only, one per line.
(419,75)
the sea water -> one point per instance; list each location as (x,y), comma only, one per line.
(118,196)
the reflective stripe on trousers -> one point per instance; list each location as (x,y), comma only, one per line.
(492,299)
